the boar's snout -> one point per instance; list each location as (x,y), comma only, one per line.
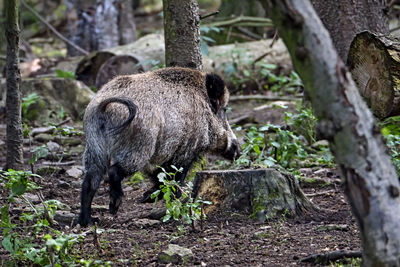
(233,152)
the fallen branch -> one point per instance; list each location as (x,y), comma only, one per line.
(242,21)
(320,193)
(263,97)
(58,34)
(67,163)
(325,258)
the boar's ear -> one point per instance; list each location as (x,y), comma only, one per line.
(215,90)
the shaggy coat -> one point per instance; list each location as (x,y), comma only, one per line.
(137,122)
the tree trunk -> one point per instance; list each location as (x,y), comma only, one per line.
(182,33)
(371,182)
(344,19)
(96,25)
(13,78)
(375,67)
(264,193)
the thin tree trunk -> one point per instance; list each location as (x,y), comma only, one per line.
(344,19)
(371,182)
(13,78)
(182,33)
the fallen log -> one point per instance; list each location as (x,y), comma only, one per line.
(375,66)
(148,52)
(264,193)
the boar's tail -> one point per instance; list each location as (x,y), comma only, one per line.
(132,108)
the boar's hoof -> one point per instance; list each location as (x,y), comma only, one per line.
(114,204)
(84,221)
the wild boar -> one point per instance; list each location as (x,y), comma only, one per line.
(165,117)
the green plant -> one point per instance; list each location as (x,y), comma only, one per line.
(204,39)
(278,83)
(38,152)
(29,236)
(391,132)
(65,74)
(27,102)
(303,123)
(186,210)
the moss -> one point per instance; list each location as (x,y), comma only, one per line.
(136,179)
(197,166)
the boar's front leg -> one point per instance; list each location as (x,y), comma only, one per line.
(116,174)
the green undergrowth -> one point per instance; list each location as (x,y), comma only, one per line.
(29,233)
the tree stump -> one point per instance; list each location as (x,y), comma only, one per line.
(264,193)
(374,63)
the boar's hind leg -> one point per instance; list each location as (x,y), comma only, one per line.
(180,177)
(115,174)
(90,184)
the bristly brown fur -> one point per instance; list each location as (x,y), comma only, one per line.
(177,118)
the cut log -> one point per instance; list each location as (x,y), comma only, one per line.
(142,55)
(374,63)
(265,193)
(94,69)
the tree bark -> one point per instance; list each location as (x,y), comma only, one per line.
(371,182)
(344,19)
(14,139)
(374,64)
(264,193)
(96,25)
(182,33)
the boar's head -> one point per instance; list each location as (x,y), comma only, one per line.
(219,97)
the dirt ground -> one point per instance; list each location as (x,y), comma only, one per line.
(228,239)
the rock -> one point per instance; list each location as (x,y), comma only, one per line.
(54,93)
(320,143)
(44,138)
(53,147)
(330,227)
(157,213)
(32,198)
(76,184)
(70,141)
(49,170)
(175,254)
(64,217)
(63,184)
(39,130)
(77,150)
(75,172)
(146,222)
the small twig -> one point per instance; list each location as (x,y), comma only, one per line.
(209,15)
(248,33)
(325,258)
(3,57)
(59,35)
(96,239)
(260,58)
(274,38)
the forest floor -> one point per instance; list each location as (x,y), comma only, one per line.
(130,238)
